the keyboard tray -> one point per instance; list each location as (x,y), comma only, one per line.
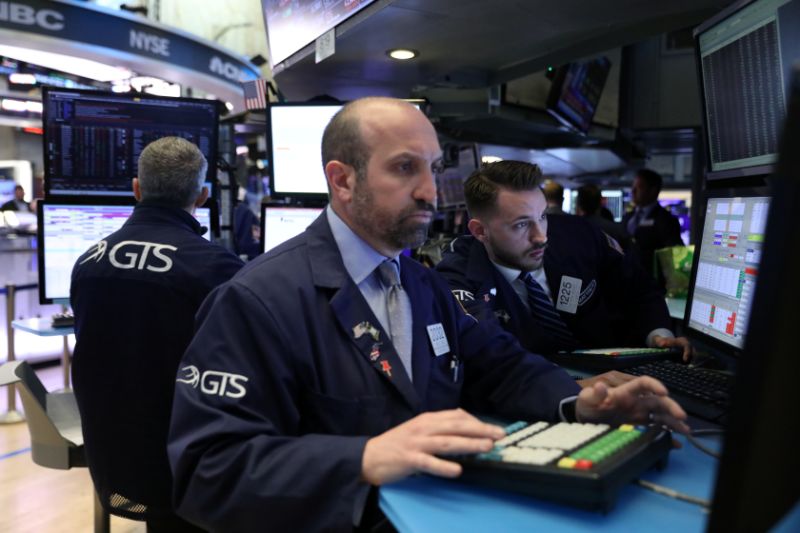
(604,359)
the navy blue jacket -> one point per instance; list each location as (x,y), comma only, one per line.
(658,230)
(619,303)
(135,295)
(290,374)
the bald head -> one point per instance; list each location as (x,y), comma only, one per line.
(347,135)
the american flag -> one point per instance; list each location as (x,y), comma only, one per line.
(255,94)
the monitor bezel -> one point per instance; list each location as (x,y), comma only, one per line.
(280,195)
(40,229)
(100,197)
(715,344)
(712,176)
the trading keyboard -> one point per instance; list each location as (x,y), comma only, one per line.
(702,392)
(578,464)
(613,358)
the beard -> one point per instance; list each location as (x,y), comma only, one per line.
(520,261)
(400,230)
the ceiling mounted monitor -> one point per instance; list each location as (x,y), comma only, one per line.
(291,25)
(576,91)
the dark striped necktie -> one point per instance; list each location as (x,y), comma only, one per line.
(544,311)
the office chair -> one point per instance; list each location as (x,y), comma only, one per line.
(54,425)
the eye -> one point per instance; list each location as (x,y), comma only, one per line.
(437,167)
(521,225)
(406,167)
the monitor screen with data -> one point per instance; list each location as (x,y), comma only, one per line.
(93,139)
(280,223)
(727,268)
(745,56)
(66,231)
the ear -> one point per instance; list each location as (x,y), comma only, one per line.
(477,229)
(202,197)
(137,192)
(341,180)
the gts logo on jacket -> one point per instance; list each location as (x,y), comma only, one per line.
(140,255)
(214,382)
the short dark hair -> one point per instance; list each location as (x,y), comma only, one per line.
(651,178)
(553,192)
(342,140)
(483,185)
(589,199)
(172,171)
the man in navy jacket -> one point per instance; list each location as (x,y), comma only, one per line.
(135,294)
(611,301)
(292,399)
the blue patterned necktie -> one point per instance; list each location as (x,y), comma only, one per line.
(398,307)
(544,311)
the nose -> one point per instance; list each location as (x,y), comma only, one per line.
(426,187)
(537,233)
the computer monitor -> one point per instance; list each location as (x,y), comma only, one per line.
(757,481)
(67,230)
(613,202)
(93,139)
(745,56)
(293,25)
(280,223)
(294,146)
(726,268)
(576,90)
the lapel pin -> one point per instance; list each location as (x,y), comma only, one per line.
(375,354)
(365,327)
(386,368)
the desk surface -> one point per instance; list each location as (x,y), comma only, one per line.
(425,503)
(41,326)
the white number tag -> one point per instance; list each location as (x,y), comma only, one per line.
(568,294)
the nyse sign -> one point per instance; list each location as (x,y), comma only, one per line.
(149,43)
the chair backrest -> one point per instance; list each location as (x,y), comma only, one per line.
(53,419)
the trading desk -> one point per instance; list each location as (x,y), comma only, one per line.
(425,503)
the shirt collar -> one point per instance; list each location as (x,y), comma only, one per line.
(361,259)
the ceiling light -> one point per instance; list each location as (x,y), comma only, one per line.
(402,54)
(63,63)
(490,159)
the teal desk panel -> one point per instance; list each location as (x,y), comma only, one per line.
(424,503)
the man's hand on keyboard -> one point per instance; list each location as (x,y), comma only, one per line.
(612,379)
(679,342)
(640,401)
(414,446)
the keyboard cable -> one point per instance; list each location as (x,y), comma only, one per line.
(672,493)
(700,446)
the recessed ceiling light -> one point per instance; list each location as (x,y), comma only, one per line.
(402,54)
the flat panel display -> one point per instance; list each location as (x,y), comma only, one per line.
(745,55)
(279,223)
(576,90)
(727,268)
(295,140)
(92,139)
